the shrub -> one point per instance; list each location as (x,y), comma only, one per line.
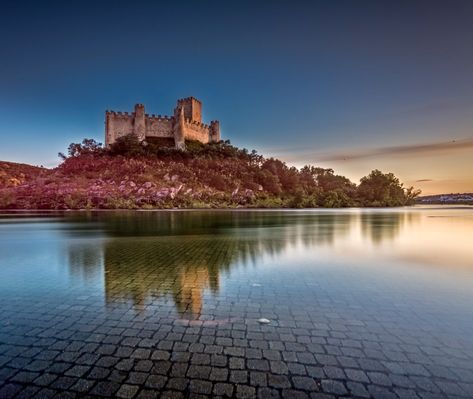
(128,145)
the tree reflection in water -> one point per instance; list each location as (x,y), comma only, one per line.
(179,256)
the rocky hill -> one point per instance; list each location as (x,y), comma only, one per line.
(130,176)
(15,174)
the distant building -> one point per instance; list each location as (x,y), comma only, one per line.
(185,124)
(459,198)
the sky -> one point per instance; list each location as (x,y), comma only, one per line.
(348,85)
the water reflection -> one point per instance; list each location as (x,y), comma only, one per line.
(85,260)
(181,255)
(182,269)
(395,283)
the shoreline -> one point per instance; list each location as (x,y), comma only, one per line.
(414,206)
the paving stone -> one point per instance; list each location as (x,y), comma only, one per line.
(278,381)
(258,379)
(31,390)
(107,361)
(10,390)
(245,392)
(238,376)
(83,385)
(201,386)
(268,393)
(403,393)
(304,383)
(117,376)
(315,372)
(177,370)
(357,389)
(125,364)
(335,373)
(335,387)
(25,377)
(218,360)
(46,393)
(143,365)
(136,378)
(99,373)
(127,391)
(177,383)
(379,379)
(160,355)
(141,354)
(291,393)
(45,379)
(63,382)
(105,388)
(381,392)
(171,395)
(236,363)
(77,371)
(223,389)
(294,369)
(155,381)
(218,374)
(200,372)
(279,367)
(356,375)
(255,364)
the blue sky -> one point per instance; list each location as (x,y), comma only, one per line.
(303,81)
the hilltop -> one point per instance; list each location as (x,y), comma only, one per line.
(15,174)
(130,175)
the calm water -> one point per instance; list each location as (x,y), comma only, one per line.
(360,302)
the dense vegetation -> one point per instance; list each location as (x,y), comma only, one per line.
(219,175)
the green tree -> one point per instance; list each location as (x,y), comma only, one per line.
(384,189)
(87,147)
(127,145)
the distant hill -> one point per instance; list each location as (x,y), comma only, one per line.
(15,174)
(459,198)
(130,175)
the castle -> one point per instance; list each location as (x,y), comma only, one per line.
(185,124)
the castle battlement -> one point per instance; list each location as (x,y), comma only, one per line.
(154,117)
(185,124)
(195,123)
(186,99)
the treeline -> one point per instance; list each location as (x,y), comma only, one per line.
(221,175)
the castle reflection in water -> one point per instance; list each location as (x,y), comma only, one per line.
(179,257)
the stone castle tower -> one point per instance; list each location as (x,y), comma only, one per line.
(185,124)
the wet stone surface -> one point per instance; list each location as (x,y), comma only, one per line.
(99,308)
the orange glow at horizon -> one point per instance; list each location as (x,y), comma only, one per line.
(433,168)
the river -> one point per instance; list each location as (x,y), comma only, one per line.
(360,302)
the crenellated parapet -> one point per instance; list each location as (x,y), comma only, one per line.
(197,124)
(185,124)
(123,115)
(194,130)
(154,117)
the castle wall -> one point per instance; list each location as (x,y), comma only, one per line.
(157,126)
(118,124)
(215,131)
(139,123)
(196,131)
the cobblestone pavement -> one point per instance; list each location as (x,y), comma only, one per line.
(169,328)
